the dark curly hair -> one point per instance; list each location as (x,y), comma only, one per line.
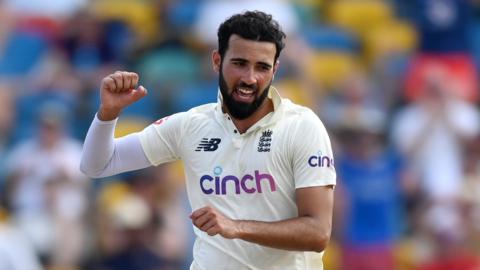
(251,25)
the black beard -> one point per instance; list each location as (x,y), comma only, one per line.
(240,110)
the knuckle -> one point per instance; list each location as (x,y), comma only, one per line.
(106,80)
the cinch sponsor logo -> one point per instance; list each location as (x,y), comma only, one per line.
(249,183)
(320,160)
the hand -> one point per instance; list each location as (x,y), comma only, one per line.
(117,91)
(211,221)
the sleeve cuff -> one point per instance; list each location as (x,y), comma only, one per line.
(96,120)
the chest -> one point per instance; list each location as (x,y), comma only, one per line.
(253,150)
(255,162)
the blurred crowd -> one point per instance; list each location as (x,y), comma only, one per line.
(395,82)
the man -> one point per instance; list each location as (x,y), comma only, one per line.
(46,194)
(259,169)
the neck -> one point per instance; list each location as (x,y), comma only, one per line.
(243,125)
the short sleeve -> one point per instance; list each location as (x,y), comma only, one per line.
(313,162)
(161,141)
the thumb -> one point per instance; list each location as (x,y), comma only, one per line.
(138,93)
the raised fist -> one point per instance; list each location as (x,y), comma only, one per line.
(117,91)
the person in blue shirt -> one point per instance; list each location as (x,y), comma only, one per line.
(369,206)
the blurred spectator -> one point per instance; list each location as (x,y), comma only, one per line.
(443,25)
(47,193)
(87,48)
(356,94)
(450,251)
(164,194)
(54,9)
(7,115)
(54,79)
(55,74)
(16,252)
(444,31)
(460,68)
(142,224)
(213,12)
(134,222)
(20,47)
(471,194)
(369,196)
(431,132)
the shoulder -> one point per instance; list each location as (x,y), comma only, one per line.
(202,111)
(299,116)
(301,127)
(184,119)
(200,116)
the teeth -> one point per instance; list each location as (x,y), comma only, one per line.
(245,92)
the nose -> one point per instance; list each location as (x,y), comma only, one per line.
(249,77)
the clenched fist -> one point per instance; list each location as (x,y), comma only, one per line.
(117,91)
(211,221)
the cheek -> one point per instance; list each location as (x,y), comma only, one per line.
(264,80)
(231,78)
(231,74)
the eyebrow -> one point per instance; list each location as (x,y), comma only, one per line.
(245,60)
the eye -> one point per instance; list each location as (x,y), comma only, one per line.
(264,68)
(238,63)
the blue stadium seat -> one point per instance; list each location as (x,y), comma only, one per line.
(330,38)
(23,50)
(168,66)
(195,94)
(182,14)
(28,108)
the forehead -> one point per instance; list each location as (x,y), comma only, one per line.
(253,51)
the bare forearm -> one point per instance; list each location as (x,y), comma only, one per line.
(310,231)
(302,234)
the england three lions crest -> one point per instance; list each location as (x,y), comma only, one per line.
(265,141)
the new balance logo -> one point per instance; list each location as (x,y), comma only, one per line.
(208,145)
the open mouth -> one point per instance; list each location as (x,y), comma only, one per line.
(246,95)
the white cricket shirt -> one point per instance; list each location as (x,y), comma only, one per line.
(249,176)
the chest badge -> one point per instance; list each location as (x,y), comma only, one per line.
(265,141)
(208,145)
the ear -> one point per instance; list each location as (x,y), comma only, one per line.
(216,61)
(275,67)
